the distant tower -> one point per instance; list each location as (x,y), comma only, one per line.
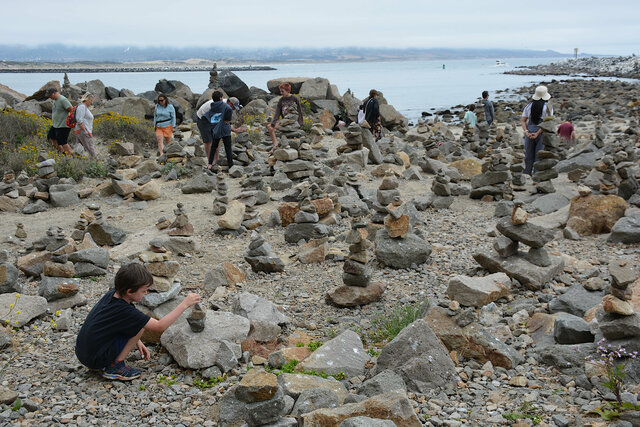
(575,52)
(213,76)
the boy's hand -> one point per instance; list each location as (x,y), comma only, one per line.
(144,351)
(192,299)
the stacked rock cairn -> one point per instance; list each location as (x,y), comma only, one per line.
(441,187)
(494,180)
(545,169)
(617,319)
(221,200)
(180,225)
(197,318)
(157,260)
(261,257)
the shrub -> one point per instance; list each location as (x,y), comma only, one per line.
(307,124)
(252,119)
(386,327)
(16,127)
(113,126)
(306,105)
(78,167)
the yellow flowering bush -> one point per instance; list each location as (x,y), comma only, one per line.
(113,126)
(18,126)
(252,119)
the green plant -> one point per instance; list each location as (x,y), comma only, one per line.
(300,344)
(17,405)
(166,380)
(16,127)
(331,333)
(113,126)
(169,166)
(527,412)
(386,327)
(307,124)
(142,387)
(255,135)
(373,352)
(95,169)
(203,383)
(306,105)
(314,345)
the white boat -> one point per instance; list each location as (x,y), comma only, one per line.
(500,63)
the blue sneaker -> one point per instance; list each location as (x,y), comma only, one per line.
(120,371)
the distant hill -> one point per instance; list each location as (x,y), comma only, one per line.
(64,53)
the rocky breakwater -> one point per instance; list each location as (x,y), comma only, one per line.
(622,66)
(358,289)
(532,269)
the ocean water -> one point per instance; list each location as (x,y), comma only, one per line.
(410,86)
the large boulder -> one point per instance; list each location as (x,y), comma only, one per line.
(390,117)
(254,307)
(626,229)
(216,345)
(478,291)
(104,234)
(401,253)
(315,89)
(295,82)
(419,357)
(11,96)
(294,384)
(24,309)
(201,183)
(234,86)
(343,353)
(132,106)
(595,214)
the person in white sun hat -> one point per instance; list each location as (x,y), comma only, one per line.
(534,113)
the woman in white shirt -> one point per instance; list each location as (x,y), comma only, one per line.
(84,124)
(534,113)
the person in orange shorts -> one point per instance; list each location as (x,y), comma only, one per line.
(164,119)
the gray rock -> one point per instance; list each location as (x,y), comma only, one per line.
(368,140)
(489,178)
(384,382)
(305,231)
(549,203)
(76,300)
(302,217)
(517,267)
(9,275)
(539,257)
(315,398)
(154,299)
(29,307)
(570,329)
(478,291)
(85,269)
(180,245)
(233,411)
(366,422)
(104,234)
(576,300)
(419,357)
(529,234)
(626,230)
(503,208)
(266,264)
(35,207)
(343,353)
(202,183)
(215,345)
(571,234)
(401,253)
(254,307)
(96,256)
(54,288)
(615,326)
(62,199)
(581,161)
(505,247)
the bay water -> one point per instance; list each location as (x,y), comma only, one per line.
(410,86)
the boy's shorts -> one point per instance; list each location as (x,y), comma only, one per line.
(165,132)
(115,349)
(59,135)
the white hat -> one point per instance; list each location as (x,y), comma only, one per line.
(541,93)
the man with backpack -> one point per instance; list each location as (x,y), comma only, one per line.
(59,131)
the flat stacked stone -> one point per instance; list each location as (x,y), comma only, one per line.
(157,260)
(431,147)
(546,170)
(289,126)
(197,318)
(261,257)
(469,139)
(20,231)
(387,191)
(221,200)
(516,168)
(533,268)
(180,225)
(494,181)
(306,224)
(441,187)
(357,272)
(353,138)
(617,318)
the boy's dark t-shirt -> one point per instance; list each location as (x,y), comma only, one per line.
(111,318)
(217,115)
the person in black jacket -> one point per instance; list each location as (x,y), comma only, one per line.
(371,109)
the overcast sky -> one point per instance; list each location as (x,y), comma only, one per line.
(606,27)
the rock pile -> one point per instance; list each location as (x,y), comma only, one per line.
(545,171)
(221,200)
(180,225)
(494,179)
(516,168)
(103,233)
(533,269)
(261,257)
(357,272)
(306,224)
(441,188)
(157,260)
(230,223)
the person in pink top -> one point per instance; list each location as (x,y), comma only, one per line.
(567,131)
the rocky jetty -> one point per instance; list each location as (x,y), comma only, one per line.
(622,66)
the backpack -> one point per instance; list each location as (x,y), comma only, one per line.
(71,117)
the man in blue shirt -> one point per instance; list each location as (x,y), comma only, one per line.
(219,115)
(489,113)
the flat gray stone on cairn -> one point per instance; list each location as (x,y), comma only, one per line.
(532,269)
(385,194)
(306,225)
(545,169)
(516,167)
(196,318)
(344,353)
(261,257)
(617,318)
(221,200)
(419,357)
(358,288)
(105,234)
(157,260)
(396,245)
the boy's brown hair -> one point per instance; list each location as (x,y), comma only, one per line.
(132,277)
(286,86)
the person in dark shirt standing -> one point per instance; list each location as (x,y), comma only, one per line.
(287,104)
(371,108)
(219,115)
(489,113)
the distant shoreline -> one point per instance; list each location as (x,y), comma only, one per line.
(134,69)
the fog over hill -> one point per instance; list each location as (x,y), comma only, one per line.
(66,53)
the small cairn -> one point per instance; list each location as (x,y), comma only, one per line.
(494,181)
(221,200)
(516,168)
(617,318)
(181,225)
(387,191)
(431,147)
(545,171)
(46,168)
(357,272)
(353,137)
(629,184)
(20,231)
(292,165)
(441,187)
(157,260)
(469,139)
(103,233)
(197,318)
(261,257)
(306,224)
(532,269)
